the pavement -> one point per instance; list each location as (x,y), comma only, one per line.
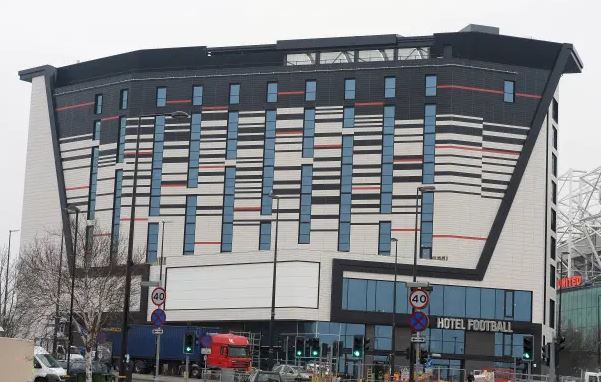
(150,377)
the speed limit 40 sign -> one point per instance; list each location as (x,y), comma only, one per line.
(419,299)
(158,296)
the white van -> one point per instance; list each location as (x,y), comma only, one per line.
(45,367)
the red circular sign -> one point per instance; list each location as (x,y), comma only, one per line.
(158,296)
(419,299)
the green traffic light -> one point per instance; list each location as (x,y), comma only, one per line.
(526,356)
(188,349)
(299,353)
(314,353)
(356,353)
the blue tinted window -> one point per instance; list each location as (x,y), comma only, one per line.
(357,294)
(436,305)
(454,301)
(509,91)
(349,88)
(382,337)
(431,85)
(96,132)
(265,236)
(197,94)
(272,92)
(98,104)
(386,182)
(308,133)
(161,96)
(232,135)
(227,225)
(93,184)
(389,87)
(190,225)
(234,94)
(194,150)
(522,306)
(384,239)
(268,162)
(310,90)
(508,304)
(116,211)
(346,184)
(384,294)
(427,223)
(304,227)
(152,243)
(402,298)
(123,99)
(157,166)
(487,303)
(472,302)
(348,118)
(121,139)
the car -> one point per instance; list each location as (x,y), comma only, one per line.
(292,373)
(266,376)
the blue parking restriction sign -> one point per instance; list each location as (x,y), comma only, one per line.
(158,317)
(418,321)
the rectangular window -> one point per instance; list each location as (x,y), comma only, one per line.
(272,92)
(194,150)
(98,104)
(197,93)
(346,186)
(431,81)
(121,139)
(552,276)
(265,236)
(554,164)
(123,99)
(157,166)
(232,135)
(429,142)
(427,223)
(508,304)
(310,90)
(552,313)
(190,225)
(308,133)
(268,162)
(227,225)
(234,94)
(553,247)
(116,211)
(382,337)
(348,117)
(152,243)
(389,87)
(555,110)
(304,225)
(509,91)
(349,88)
(384,239)
(161,96)
(387,161)
(553,220)
(554,137)
(554,192)
(96,132)
(93,184)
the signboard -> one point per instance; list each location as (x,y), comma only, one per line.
(205,351)
(418,321)
(419,299)
(418,339)
(569,282)
(474,325)
(158,317)
(157,331)
(158,296)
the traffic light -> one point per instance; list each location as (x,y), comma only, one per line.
(314,347)
(423,357)
(325,349)
(527,353)
(189,341)
(300,347)
(366,344)
(408,353)
(546,354)
(560,345)
(358,346)
(337,348)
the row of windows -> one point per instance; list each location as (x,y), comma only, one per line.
(194,149)
(445,300)
(350,56)
(509,345)
(152,242)
(308,133)
(117,210)
(232,135)
(384,239)
(348,117)
(427,225)
(265,236)
(268,162)
(346,184)
(190,225)
(121,139)
(427,211)
(387,161)
(304,227)
(227,225)
(157,165)
(93,184)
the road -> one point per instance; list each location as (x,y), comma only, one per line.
(148,377)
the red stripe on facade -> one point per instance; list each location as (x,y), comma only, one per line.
(178,101)
(111,118)
(136,219)
(214,108)
(328,146)
(247,209)
(459,237)
(470,148)
(174,185)
(292,92)
(76,106)
(212,166)
(470,88)
(288,132)
(370,103)
(207,242)
(366,187)
(528,95)
(76,188)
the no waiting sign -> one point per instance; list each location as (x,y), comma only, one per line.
(419,299)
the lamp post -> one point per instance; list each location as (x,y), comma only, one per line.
(420,189)
(58,293)
(10,232)
(396,253)
(179,115)
(275,260)
(158,340)
(77,211)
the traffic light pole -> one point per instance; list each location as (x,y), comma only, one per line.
(187,367)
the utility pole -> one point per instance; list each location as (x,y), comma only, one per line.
(77,211)
(10,232)
(273,286)
(58,293)
(392,355)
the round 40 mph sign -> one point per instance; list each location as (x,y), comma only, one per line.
(419,299)
(158,296)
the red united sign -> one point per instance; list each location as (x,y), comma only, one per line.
(569,282)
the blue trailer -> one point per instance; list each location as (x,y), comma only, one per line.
(142,347)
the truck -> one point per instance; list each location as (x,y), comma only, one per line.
(16,359)
(226,350)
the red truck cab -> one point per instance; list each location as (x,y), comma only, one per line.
(229,351)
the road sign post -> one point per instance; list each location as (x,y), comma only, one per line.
(418,321)
(419,299)
(158,296)
(158,317)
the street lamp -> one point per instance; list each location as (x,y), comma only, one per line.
(77,211)
(396,253)
(58,293)
(178,115)
(10,232)
(420,189)
(275,260)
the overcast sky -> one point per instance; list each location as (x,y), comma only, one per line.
(64,32)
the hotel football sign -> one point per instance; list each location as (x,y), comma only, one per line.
(474,325)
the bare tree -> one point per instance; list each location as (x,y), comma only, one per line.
(98,285)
